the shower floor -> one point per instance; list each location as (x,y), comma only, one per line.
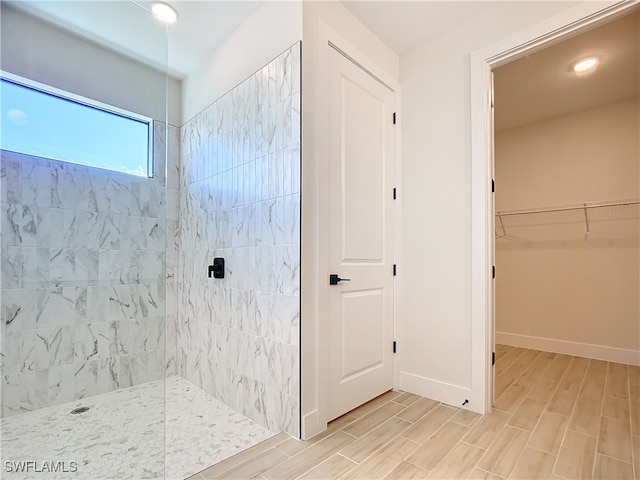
(122,435)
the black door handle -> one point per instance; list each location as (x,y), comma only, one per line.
(335,279)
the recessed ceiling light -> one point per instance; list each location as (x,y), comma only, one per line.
(164,11)
(586,65)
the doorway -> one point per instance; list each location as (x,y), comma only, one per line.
(567,197)
(566,25)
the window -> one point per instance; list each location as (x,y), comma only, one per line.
(46,122)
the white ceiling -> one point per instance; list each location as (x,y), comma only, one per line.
(405,25)
(201,27)
(543,86)
(203,24)
(534,88)
(124,26)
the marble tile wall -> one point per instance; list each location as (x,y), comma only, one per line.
(82,279)
(238,337)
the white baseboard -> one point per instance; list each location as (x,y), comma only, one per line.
(442,392)
(598,352)
(311,425)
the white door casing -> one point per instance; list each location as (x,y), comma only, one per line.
(563,25)
(492,226)
(361,180)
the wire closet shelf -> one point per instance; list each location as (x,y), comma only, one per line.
(626,209)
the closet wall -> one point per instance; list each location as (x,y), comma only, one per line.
(558,287)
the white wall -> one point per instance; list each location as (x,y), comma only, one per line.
(314,207)
(586,156)
(273,28)
(557,286)
(72,63)
(434,311)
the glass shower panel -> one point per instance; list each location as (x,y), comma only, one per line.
(83,272)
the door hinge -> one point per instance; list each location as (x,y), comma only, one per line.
(394,193)
(493,186)
(394,346)
(394,118)
(394,269)
(493,358)
(493,271)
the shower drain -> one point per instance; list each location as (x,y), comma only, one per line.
(75,411)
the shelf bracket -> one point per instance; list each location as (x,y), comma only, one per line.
(504,232)
(586,218)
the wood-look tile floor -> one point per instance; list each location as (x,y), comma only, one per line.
(555,417)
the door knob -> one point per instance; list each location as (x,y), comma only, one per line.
(335,279)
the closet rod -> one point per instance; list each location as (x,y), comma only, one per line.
(565,208)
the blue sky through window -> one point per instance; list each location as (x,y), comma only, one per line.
(38,123)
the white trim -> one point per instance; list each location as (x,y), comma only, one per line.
(397,235)
(599,352)
(329,37)
(311,425)
(57,92)
(94,104)
(568,23)
(434,389)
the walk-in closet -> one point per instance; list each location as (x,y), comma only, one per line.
(567,202)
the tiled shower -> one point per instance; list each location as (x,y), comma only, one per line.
(104,276)
(83,280)
(237,338)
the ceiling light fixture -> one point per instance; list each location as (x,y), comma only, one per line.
(164,11)
(586,65)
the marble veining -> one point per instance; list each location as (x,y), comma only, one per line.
(105,292)
(83,276)
(124,434)
(237,338)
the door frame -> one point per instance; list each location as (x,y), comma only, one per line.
(570,22)
(325,38)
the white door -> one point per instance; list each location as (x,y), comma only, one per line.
(361,175)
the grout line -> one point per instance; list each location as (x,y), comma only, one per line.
(424,414)
(510,366)
(472,445)
(575,402)
(521,452)
(563,376)
(315,465)
(381,446)
(614,458)
(536,425)
(419,444)
(345,457)
(582,433)
(486,472)
(519,428)
(565,373)
(604,390)
(417,466)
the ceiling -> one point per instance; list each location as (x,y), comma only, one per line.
(203,24)
(536,87)
(404,25)
(542,85)
(122,26)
